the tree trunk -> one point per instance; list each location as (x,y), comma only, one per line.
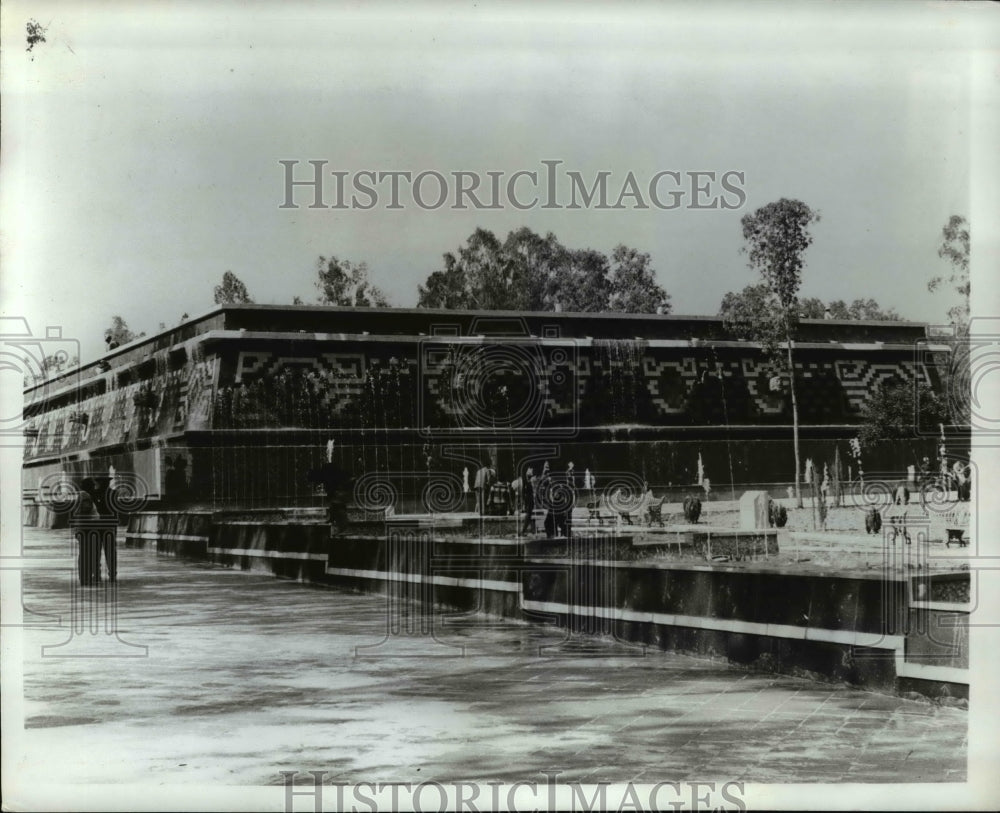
(795,421)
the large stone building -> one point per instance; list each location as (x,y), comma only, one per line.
(236,406)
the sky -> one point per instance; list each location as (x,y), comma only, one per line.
(140,148)
(141,142)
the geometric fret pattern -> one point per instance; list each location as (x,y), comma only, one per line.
(831,390)
(562,377)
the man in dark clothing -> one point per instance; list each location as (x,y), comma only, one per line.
(528,498)
(568,501)
(485,478)
(107,546)
(89,551)
(96,538)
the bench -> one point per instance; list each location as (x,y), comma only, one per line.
(655,512)
(626,511)
(956,526)
(596,510)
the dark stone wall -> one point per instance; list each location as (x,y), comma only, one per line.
(204,414)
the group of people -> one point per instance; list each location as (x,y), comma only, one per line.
(957,477)
(554,491)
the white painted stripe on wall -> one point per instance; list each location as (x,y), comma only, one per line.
(950,674)
(154,535)
(269,554)
(848,637)
(956,608)
(923,671)
(417,578)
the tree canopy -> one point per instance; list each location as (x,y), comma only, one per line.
(897,409)
(747,303)
(776,236)
(342,282)
(954,248)
(119,332)
(633,284)
(527,271)
(232,291)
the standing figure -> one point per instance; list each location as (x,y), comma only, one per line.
(483,485)
(567,514)
(516,490)
(88,561)
(528,500)
(108,544)
(542,496)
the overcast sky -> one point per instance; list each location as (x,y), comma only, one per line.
(141,143)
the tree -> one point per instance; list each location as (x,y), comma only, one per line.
(897,409)
(582,283)
(342,282)
(957,373)
(35,34)
(871,310)
(633,284)
(448,288)
(776,237)
(527,271)
(813,308)
(743,308)
(488,274)
(232,291)
(55,362)
(954,248)
(119,332)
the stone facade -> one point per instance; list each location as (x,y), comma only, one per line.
(246,387)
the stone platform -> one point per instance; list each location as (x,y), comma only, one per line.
(666,588)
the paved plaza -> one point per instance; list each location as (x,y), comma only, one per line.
(246,675)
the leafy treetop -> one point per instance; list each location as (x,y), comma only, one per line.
(232,291)
(342,282)
(527,271)
(954,248)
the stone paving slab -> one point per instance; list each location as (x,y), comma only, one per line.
(247,675)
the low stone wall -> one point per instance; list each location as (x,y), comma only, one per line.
(184,533)
(867,629)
